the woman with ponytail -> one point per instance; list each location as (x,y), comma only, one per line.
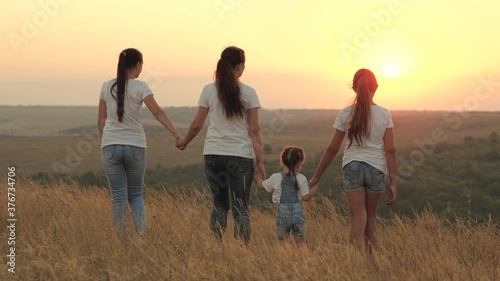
(123,141)
(369,152)
(233,141)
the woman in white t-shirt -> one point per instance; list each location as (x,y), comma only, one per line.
(233,140)
(123,142)
(368,151)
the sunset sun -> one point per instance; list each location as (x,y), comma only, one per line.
(391,69)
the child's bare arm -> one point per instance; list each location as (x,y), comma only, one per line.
(312,191)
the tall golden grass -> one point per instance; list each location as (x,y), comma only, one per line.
(64,232)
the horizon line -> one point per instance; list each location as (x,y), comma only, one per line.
(195,106)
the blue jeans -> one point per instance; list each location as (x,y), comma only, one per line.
(125,166)
(230,179)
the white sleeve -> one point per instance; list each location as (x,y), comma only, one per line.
(272,182)
(341,122)
(389,121)
(203,101)
(146,91)
(254,100)
(303,185)
(104,88)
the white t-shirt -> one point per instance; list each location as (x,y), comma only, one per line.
(273,184)
(227,137)
(130,131)
(372,150)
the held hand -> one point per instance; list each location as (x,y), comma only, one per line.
(260,170)
(180,143)
(313,189)
(177,138)
(313,181)
(391,195)
(258,179)
(256,175)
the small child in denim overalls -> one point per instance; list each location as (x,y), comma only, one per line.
(289,189)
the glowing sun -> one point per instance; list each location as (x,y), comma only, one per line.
(391,69)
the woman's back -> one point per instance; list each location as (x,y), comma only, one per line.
(371,150)
(130,131)
(227,136)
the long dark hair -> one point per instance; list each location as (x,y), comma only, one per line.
(290,157)
(227,84)
(127,59)
(364,84)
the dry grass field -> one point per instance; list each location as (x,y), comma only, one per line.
(64,232)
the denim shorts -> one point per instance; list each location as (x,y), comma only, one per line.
(291,217)
(358,175)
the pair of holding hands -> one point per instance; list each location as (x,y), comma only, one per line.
(259,174)
(180,142)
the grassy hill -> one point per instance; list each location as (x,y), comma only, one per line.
(64,232)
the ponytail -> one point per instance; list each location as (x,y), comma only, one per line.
(364,84)
(228,87)
(120,83)
(127,59)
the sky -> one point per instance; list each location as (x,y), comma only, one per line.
(427,55)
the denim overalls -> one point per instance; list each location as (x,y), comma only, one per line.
(291,216)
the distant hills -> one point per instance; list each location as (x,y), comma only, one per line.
(71,120)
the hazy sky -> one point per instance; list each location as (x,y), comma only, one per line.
(427,55)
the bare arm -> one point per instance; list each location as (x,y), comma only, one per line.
(161,116)
(195,127)
(256,137)
(312,191)
(330,152)
(102,115)
(392,164)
